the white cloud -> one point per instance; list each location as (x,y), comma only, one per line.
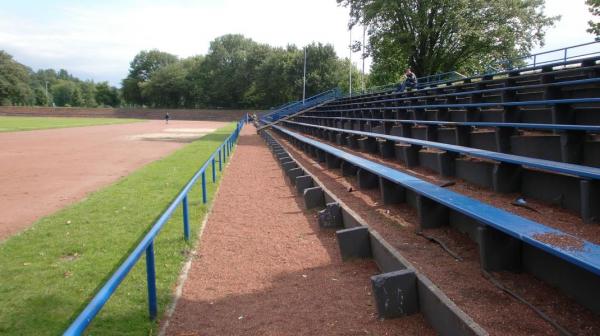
(98,40)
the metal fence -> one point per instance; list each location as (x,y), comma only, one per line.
(297,106)
(556,57)
(146,245)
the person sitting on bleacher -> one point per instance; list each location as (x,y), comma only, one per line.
(410,82)
(411,79)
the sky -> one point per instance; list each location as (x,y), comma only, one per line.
(98,39)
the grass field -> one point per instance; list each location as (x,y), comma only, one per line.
(13,124)
(52,270)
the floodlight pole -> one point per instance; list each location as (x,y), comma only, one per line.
(304,85)
(363,58)
(47,102)
(350,71)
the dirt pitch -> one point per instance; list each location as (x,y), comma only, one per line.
(44,171)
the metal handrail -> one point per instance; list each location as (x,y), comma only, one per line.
(431,79)
(294,107)
(147,243)
(564,57)
(499,67)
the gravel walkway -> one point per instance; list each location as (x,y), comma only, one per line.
(264,268)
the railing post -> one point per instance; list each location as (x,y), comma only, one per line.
(214,171)
(99,300)
(204,187)
(534,59)
(151,279)
(220,159)
(186,218)
(565,56)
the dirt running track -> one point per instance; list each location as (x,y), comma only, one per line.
(43,171)
(264,268)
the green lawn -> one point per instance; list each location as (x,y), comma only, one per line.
(49,272)
(12,124)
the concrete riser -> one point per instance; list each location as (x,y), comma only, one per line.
(400,290)
(570,147)
(497,250)
(566,192)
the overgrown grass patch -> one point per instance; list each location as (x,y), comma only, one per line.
(49,272)
(12,124)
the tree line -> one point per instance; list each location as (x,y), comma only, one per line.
(21,86)
(237,72)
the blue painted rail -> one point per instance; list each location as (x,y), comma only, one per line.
(469,93)
(421,82)
(556,56)
(552,166)
(294,107)
(548,102)
(146,245)
(565,127)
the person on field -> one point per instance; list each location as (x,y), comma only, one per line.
(410,82)
(167,117)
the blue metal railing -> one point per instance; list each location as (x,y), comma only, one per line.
(294,107)
(421,82)
(556,56)
(439,78)
(146,245)
(553,58)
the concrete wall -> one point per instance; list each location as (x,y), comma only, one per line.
(140,113)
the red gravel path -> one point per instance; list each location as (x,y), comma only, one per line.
(44,171)
(265,268)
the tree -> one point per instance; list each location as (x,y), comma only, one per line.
(594,8)
(166,86)
(229,69)
(88,94)
(279,77)
(193,94)
(344,80)
(107,95)
(67,93)
(40,96)
(171,85)
(237,72)
(14,82)
(324,71)
(434,36)
(142,67)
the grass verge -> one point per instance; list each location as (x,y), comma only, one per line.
(50,272)
(12,124)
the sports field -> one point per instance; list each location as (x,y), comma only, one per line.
(50,271)
(12,124)
(50,169)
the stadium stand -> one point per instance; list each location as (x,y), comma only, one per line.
(533,130)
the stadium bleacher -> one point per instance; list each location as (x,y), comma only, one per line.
(534,131)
